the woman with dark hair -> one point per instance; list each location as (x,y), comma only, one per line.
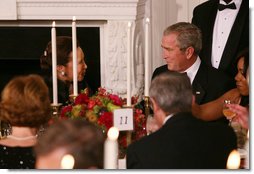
(241,77)
(242,81)
(64,68)
(240,95)
(25,105)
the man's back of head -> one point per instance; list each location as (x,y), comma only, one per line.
(171,92)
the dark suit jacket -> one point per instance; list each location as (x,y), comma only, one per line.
(183,142)
(204,16)
(208,84)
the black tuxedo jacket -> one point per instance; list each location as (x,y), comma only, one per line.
(204,16)
(183,142)
(208,84)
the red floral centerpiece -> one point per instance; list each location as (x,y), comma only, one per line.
(99,108)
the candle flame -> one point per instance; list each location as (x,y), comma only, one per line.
(233,160)
(74,18)
(113,133)
(67,162)
(53,24)
(248,134)
(147,20)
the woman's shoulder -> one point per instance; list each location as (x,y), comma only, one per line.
(17,157)
(6,148)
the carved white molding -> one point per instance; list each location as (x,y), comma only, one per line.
(117,53)
(82,9)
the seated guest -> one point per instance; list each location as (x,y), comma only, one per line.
(64,68)
(240,95)
(240,105)
(25,105)
(181,44)
(78,138)
(241,77)
(242,81)
(183,141)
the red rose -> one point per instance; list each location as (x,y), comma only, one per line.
(106,119)
(91,104)
(98,101)
(138,111)
(116,100)
(66,111)
(134,99)
(81,99)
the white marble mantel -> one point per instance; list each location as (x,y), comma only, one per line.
(112,16)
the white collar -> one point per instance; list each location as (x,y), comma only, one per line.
(192,71)
(167,117)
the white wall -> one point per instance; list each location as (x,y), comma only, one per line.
(163,14)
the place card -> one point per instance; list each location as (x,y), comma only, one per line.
(123,119)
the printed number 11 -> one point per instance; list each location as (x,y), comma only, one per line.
(121,120)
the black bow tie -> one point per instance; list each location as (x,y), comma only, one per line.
(222,6)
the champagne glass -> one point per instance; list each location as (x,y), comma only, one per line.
(227,112)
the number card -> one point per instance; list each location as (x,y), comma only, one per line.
(123,119)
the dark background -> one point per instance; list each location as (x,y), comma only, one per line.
(21,48)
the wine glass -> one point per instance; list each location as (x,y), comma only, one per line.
(227,112)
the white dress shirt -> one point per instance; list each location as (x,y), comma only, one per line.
(167,117)
(192,71)
(222,27)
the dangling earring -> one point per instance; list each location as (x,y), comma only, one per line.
(62,73)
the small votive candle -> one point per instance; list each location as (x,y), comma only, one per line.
(234,160)
(67,162)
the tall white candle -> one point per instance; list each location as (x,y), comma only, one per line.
(74,55)
(147,67)
(54,75)
(129,64)
(111,149)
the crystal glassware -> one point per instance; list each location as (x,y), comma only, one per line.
(227,112)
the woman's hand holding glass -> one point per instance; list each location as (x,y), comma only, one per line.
(229,114)
(242,114)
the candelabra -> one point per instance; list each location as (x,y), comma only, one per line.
(72,98)
(128,132)
(147,107)
(56,110)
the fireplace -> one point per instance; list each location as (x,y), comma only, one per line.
(109,17)
(21,48)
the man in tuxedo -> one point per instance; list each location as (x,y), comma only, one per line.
(183,141)
(225,29)
(181,44)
